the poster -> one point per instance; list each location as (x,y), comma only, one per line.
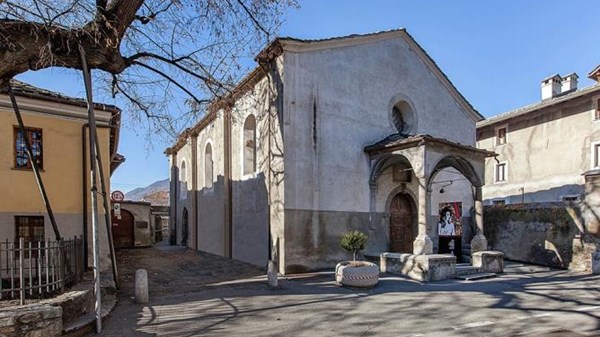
(449,222)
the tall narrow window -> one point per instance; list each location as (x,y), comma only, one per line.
(595,155)
(500,172)
(183,181)
(208,167)
(597,111)
(501,136)
(35,140)
(250,145)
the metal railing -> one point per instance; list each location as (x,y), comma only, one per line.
(39,269)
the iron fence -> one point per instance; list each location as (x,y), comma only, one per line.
(39,269)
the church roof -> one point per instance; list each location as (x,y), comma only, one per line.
(281,44)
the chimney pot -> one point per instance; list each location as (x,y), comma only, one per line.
(551,86)
(569,83)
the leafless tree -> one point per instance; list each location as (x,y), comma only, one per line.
(150,52)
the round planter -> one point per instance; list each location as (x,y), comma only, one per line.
(358,274)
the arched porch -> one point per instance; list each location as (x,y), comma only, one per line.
(414,162)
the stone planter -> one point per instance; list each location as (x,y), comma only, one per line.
(360,274)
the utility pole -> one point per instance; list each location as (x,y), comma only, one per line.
(93,188)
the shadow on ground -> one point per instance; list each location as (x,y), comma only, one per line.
(199,294)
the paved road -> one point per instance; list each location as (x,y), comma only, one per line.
(526,300)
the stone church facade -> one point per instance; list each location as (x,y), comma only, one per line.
(324,136)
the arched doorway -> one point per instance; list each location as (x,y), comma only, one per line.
(401,224)
(122,230)
(184,228)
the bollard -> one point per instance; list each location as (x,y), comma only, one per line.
(272,274)
(141,286)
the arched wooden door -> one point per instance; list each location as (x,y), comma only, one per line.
(122,230)
(401,224)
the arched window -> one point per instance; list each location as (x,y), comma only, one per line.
(208,167)
(250,145)
(182,181)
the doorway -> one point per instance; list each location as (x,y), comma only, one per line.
(401,224)
(122,230)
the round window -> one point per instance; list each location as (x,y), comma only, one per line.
(403,117)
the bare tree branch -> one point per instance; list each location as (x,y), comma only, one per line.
(167,57)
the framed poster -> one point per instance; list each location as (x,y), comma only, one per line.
(449,222)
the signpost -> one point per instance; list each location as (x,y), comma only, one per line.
(117,196)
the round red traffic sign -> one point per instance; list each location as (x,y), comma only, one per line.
(117,196)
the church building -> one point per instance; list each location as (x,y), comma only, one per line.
(362,132)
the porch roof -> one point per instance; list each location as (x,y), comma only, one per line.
(398,142)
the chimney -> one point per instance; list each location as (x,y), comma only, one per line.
(569,83)
(551,86)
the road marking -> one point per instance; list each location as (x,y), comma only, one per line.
(412,335)
(593,308)
(534,316)
(472,325)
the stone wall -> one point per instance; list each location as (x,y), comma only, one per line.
(36,320)
(550,234)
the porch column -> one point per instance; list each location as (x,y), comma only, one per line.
(479,241)
(422,244)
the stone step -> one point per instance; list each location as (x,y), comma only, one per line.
(477,276)
(465,269)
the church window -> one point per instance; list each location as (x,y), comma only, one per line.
(249,145)
(208,167)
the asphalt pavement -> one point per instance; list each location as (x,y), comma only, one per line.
(220,297)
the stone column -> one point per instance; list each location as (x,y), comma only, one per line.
(479,241)
(422,244)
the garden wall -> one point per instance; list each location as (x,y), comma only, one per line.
(550,234)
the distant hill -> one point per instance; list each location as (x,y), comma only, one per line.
(156,193)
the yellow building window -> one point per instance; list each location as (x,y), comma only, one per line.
(35,140)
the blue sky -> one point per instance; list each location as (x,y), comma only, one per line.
(495,53)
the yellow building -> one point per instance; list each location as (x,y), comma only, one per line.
(57,128)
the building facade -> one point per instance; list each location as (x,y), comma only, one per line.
(544,148)
(541,188)
(362,132)
(56,126)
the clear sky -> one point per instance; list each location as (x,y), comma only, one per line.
(495,52)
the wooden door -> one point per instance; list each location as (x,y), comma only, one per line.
(122,230)
(401,225)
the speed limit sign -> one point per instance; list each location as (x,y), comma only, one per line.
(117,196)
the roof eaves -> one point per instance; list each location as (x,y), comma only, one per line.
(27,90)
(536,106)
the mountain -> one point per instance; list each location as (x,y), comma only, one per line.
(156,193)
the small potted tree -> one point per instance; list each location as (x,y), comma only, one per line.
(356,273)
